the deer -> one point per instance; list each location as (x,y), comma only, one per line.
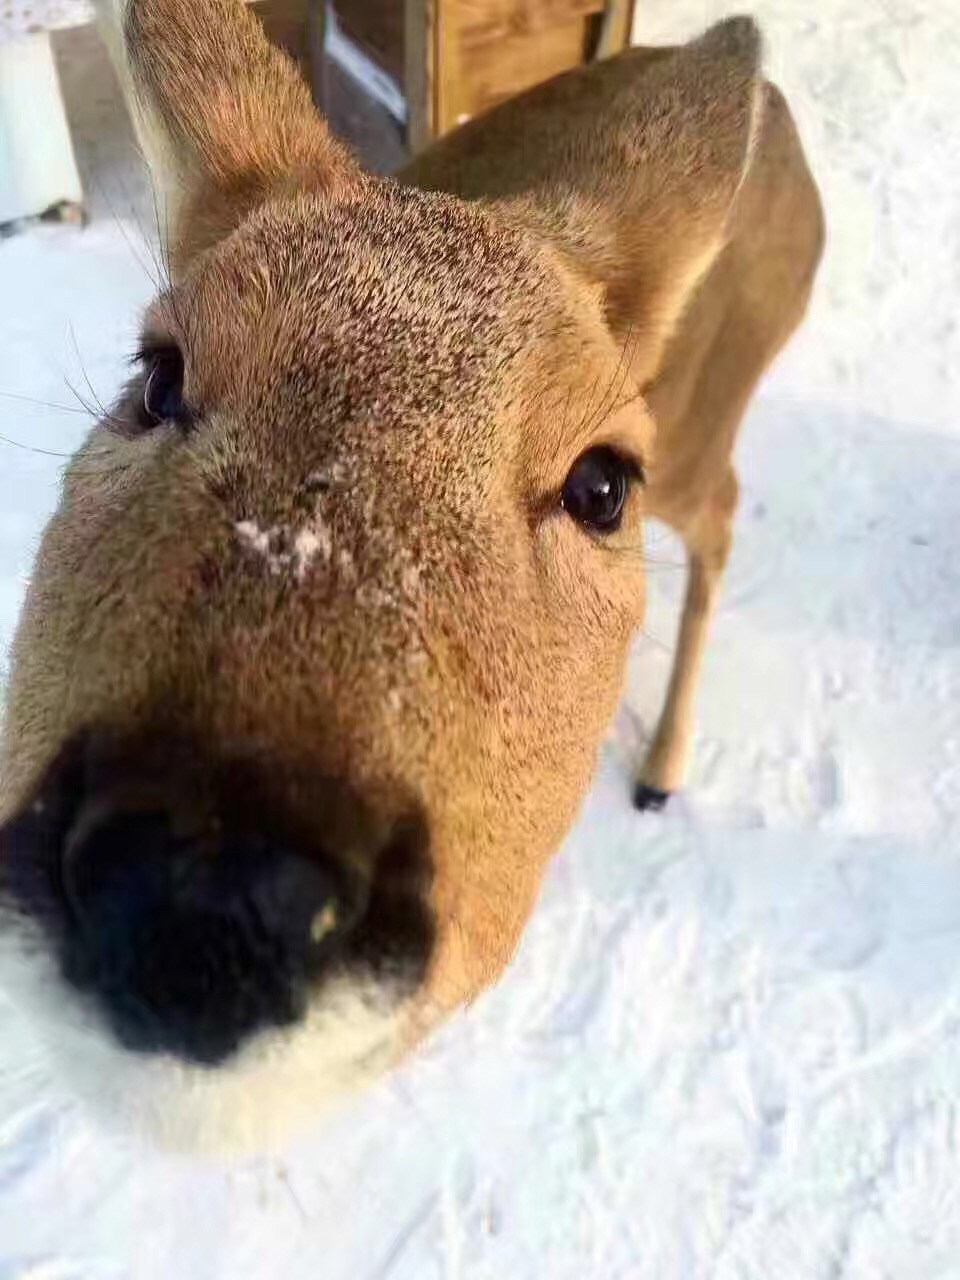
(325,635)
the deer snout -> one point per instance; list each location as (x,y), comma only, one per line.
(192,946)
(196,917)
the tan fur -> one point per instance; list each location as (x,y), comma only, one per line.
(357,567)
(676,179)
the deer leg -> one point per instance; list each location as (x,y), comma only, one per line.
(708,541)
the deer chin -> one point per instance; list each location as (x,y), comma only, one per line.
(276,1084)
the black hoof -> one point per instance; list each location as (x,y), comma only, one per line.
(649,798)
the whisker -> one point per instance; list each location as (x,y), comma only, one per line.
(44,404)
(161,238)
(163,275)
(104,412)
(123,231)
(103,415)
(85,411)
(66,457)
(598,412)
(32,448)
(621,373)
(78,397)
(163,265)
(586,413)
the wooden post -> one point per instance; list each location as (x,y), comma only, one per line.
(418,69)
(616,29)
(316,35)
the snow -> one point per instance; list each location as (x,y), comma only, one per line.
(304,543)
(730,1043)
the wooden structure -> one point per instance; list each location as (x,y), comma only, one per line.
(455,58)
(449,60)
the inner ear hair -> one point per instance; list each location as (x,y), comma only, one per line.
(223,116)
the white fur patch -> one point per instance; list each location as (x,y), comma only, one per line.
(281,1082)
(286,550)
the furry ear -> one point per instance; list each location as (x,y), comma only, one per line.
(629,167)
(223,117)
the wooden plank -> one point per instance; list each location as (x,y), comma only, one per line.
(316,55)
(418,74)
(498,69)
(484,20)
(450,85)
(616,29)
(464,56)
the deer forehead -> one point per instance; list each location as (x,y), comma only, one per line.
(409,293)
(389,357)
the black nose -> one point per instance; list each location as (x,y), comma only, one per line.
(194,924)
(191,945)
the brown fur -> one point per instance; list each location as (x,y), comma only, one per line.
(405,374)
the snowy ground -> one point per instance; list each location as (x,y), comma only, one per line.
(730,1045)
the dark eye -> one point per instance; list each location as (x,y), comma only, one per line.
(163,388)
(596,489)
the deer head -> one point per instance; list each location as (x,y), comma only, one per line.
(324,636)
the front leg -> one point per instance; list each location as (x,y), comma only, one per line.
(708,540)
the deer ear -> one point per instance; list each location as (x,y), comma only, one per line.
(629,167)
(221,114)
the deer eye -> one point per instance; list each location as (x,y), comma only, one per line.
(163,389)
(596,487)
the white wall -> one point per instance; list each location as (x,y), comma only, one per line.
(875,87)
